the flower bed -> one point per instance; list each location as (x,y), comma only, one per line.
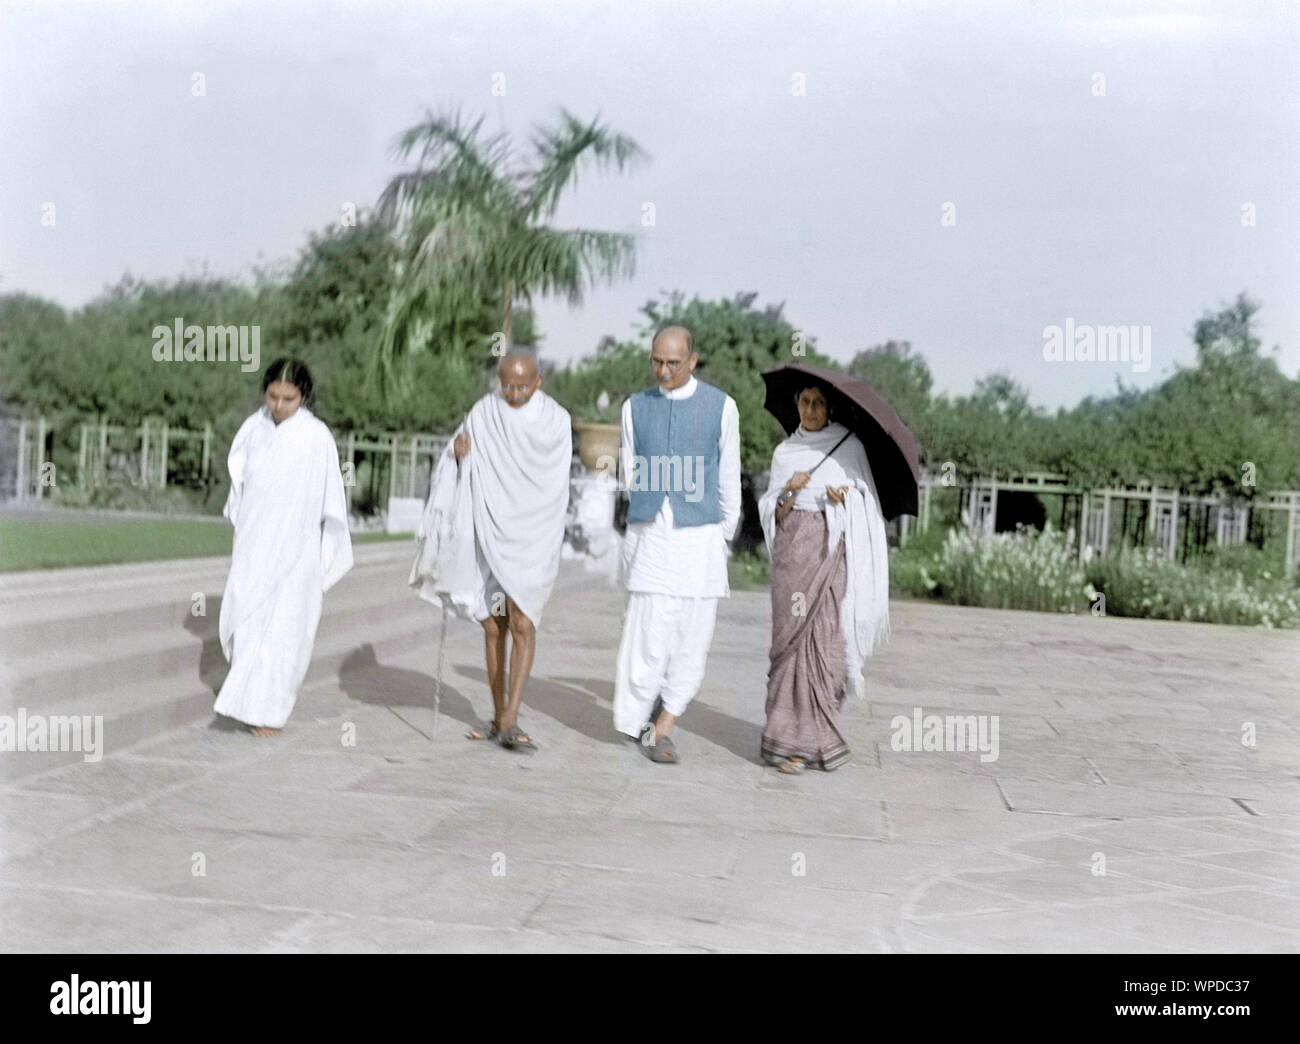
(1026,569)
(1139,583)
(1039,571)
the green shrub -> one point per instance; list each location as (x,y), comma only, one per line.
(912,566)
(123,496)
(748,571)
(1252,563)
(1027,569)
(1032,570)
(1140,583)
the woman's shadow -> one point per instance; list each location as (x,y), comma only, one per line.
(212,662)
(213,667)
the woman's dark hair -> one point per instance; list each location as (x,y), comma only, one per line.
(292,370)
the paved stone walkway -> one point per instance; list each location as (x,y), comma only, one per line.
(1119,748)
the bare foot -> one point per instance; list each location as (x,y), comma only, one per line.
(791,766)
(264,731)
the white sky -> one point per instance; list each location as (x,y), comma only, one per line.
(1121,209)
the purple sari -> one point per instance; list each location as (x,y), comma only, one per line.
(805,685)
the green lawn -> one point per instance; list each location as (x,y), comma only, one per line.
(54,543)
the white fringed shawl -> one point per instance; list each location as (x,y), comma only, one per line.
(286,501)
(501,512)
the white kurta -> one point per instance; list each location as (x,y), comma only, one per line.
(494,523)
(689,561)
(289,511)
(675,576)
(864,613)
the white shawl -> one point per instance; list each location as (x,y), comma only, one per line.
(864,613)
(286,501)
(500,512)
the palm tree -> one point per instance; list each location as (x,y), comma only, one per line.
(472,227)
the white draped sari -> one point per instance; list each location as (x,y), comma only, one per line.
(496,519)
(864,613)
(291,545)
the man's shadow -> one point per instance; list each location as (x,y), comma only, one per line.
(362,677)
(576,703)
(556,697)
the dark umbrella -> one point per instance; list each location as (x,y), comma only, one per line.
(891,449)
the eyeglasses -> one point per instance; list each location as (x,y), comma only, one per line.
(671,366)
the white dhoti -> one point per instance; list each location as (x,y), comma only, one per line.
(675,576)
(664,651)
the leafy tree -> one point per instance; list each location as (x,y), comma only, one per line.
(736,342)
(472,225)
(1201,428)
(336,297)
(1228,333)
(994,429)
(901,375)
(33,333)
(617,370)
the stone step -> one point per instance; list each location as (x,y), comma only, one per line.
(136,710)
(191,646)
(152,682)
(163,608)
(109,581)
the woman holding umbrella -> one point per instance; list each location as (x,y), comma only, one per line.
(825,534)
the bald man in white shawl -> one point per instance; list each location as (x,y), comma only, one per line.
(290,515)
(830,586)
(493,526)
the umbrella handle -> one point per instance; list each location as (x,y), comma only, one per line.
(830,451)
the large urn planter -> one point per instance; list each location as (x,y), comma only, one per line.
(596,441)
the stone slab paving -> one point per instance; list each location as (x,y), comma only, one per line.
(372,825)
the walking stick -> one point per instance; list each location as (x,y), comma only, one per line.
(437,689)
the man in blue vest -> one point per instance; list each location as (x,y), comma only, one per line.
(680,460)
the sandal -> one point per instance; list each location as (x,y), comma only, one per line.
(514,738)
(490,732)
(791,766)
(664,752)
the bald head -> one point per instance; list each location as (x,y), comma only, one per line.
(674,334)
(520,377)
(673,356)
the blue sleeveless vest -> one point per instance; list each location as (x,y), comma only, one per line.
(675,454)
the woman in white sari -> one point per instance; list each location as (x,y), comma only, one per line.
(291,545)
(830,585)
